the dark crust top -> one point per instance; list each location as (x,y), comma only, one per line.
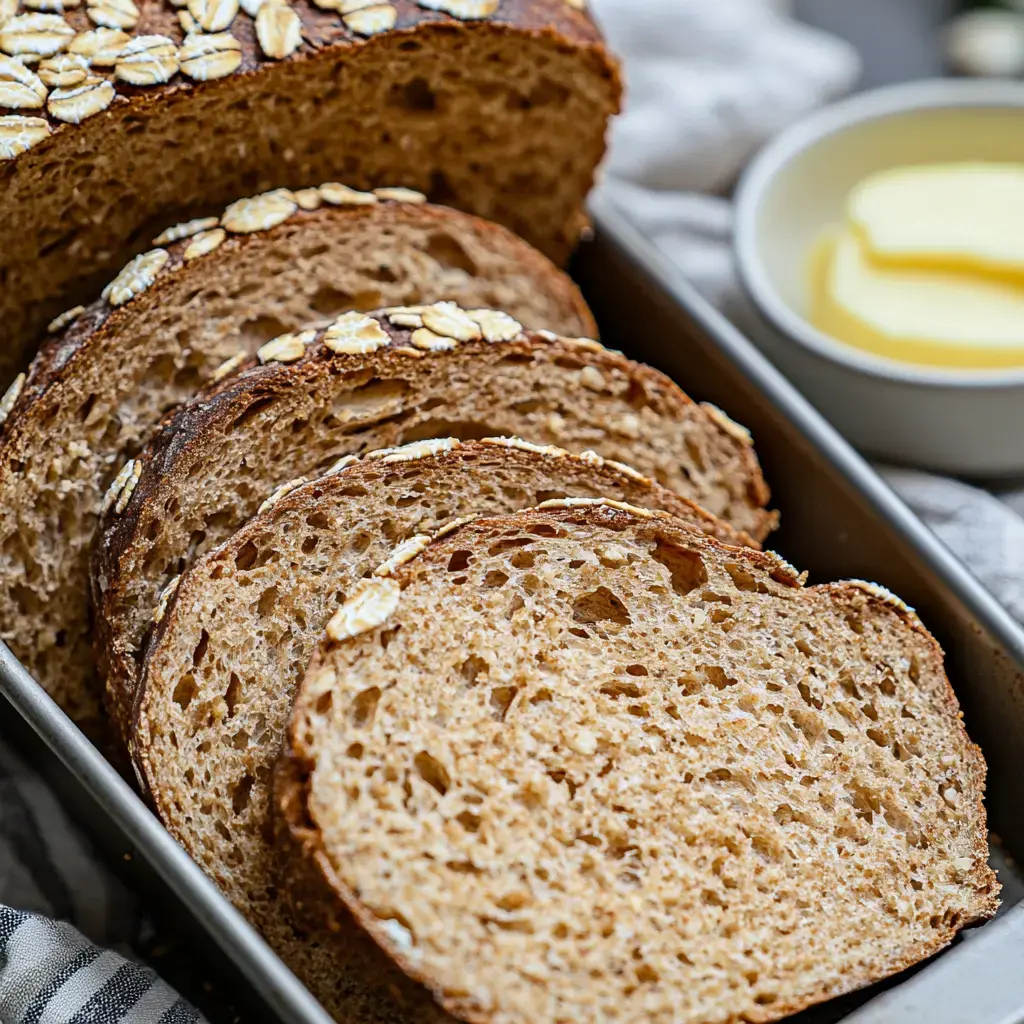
(323,34)
(99,322)
(291,779)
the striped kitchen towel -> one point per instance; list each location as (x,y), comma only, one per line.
(50,973)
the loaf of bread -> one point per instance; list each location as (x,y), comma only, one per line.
(583,763)
(118,119)
(210,292)
(236,633)
(378,381)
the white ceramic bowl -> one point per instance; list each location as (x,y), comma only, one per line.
(947,420)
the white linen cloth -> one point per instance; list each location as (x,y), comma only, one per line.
(707,84)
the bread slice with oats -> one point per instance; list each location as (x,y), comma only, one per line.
(112,370)
(171,110)
(378,381)
(584,763)
(236,633)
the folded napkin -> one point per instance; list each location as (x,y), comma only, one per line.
(707,84)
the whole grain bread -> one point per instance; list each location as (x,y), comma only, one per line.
(498,107)
(99,387)
(385,380)
(583,763)
(236,633)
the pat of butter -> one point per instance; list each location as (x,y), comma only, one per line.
(928,268)
(926,316)
(952,216)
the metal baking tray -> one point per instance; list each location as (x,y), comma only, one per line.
(838,520)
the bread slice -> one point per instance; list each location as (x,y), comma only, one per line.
(583,763)
(215,460)
(100,386)
(236,633)
(497,107)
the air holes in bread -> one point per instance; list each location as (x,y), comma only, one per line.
(364,707)
(185,691)
(432,772)
(600,605)
(447,251)
(459,561)
(684,566)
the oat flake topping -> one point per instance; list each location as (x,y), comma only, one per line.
(467,10)
(58,323)
(213,15)
(205,57)
(285,348)
(39,35)
(281,491)
(74,105)
(121,14)
(279,30)
(368,21)
(100,46)
(204,243)
(64,70)
(258,213)
(185,230)
(371,603)
(425,339)
(342,195)
(11,397)
(355,334)
(136,276)
(495,325)
(18,134)
(309,198)
(229,366)
(51,6)
(20,88)
(400,195)
(8,9)
(447,319)
(147,60)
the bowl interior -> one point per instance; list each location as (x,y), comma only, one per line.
(804,183)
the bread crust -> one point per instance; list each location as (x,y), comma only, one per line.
(67,223)
(186,433)
(292,777)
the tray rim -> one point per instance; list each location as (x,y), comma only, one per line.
(268,975)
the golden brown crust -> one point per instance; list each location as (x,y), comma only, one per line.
(69,227)
(293,775)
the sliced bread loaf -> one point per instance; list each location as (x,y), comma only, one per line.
(583,763)
(383,380)
(161,110)
(109,374)
(236,633)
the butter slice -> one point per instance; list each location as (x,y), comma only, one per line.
(964,216)
(929,316)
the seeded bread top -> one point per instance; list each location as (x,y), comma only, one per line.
(62,63)
(628,775)
(502,114)
(190,242)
